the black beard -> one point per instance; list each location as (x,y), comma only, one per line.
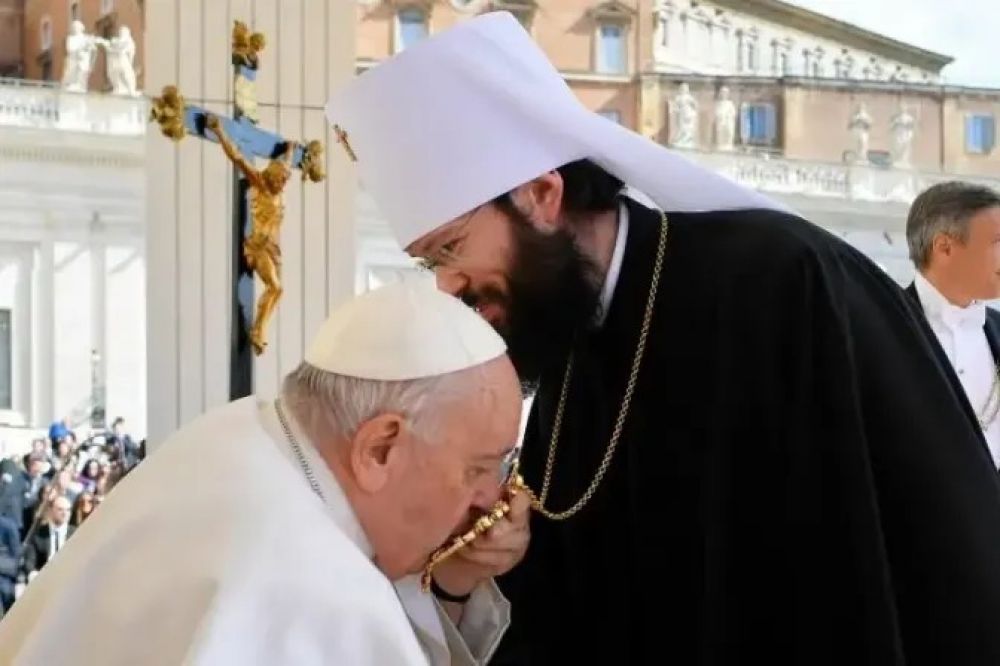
(554,292)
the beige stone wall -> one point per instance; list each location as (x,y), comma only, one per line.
(651,108)
(11,16)
(599,96)
(956,108)
(817,118)
(564,29)
(310,51)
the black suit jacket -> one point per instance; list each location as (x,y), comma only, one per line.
(992,329)
(992,326)
(36,550)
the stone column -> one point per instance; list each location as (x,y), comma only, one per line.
(44,326)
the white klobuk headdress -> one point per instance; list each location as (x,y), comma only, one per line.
(473,112)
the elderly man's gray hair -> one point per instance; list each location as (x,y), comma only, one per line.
(328,404)
(944,208)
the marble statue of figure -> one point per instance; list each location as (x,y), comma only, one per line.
(121,70)
(725,121)
(860,126)
(904,127)
(684,118)
(81,50)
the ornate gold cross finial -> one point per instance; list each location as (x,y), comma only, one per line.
(168,111)
(247,44)
(342,139)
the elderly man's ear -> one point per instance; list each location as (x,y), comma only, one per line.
(377,444)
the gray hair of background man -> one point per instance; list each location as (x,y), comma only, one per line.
(326,404)
(944,208)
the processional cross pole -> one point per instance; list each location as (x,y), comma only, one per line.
(258,210)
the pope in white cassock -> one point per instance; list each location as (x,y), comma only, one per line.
(288,531)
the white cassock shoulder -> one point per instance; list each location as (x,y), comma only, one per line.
(214,551)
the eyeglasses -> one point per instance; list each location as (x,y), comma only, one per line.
(508,466)
(445,254)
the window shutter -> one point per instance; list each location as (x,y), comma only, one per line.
(772,123)
(745,123)
(971,127)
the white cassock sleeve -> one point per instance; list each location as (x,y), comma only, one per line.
(485,618)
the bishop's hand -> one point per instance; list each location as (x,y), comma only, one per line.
(491,554)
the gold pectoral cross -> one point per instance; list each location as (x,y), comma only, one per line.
(342,140)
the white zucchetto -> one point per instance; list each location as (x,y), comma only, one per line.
(406,330)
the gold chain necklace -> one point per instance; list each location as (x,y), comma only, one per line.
(538,503)
(992,399)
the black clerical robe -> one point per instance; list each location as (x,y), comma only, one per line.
(798,480)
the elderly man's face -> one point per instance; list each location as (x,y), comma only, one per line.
(436,487)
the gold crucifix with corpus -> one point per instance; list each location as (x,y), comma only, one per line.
(259,211)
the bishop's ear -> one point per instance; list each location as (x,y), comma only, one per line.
(376,446)
(541,200)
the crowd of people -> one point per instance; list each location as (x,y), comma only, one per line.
(50,491)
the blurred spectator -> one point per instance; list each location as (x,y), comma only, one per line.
(129,451)
(90,475)
(10,558)
(13,488)
(41,446)
(111,472)
(48,539)
(57,431)
(63,485)
(63,450)
(84,505)
(35,479)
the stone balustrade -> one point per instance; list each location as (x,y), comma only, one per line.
(857,182)
(44,105)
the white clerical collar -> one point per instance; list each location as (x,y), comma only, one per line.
(333,495)
(938,307)
(615,269)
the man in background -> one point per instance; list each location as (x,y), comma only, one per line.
(953,231)
(48,539)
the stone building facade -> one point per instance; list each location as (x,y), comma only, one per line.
(46,24)
(843,124)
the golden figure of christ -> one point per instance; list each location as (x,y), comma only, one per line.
(261,247)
